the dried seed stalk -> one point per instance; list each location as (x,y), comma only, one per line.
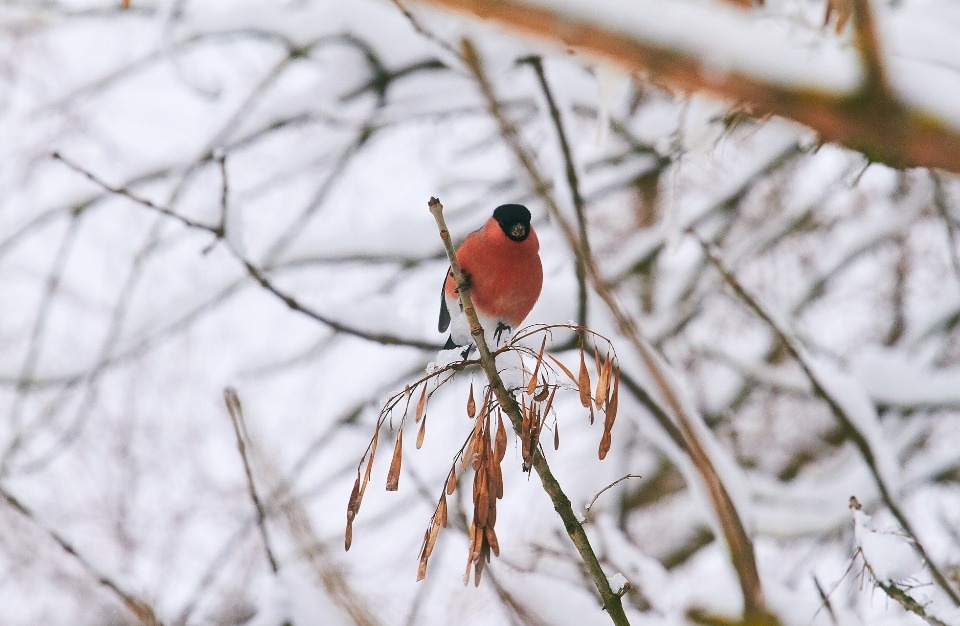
(500,448)
(564,369)
(452,480)
(549,404)
(393,475)
(603,383)
(611,415)
(583,383)
(543,393)
(353,505)
(605,441)
(430,535)
(367,472)
(612,404)
(488,452)
(421,432)
(422,403)
(532,385)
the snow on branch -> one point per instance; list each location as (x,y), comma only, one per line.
(722,55)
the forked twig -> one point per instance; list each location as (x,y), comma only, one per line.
(256,273)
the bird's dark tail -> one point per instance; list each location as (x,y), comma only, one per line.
(451,345)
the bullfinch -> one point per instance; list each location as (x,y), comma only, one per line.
(504,274)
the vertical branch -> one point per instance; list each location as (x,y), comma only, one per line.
(942,204)
(875,81)
(561,503)
(734,532)
(573,181)
(232,400)
(221,158)
(35,346)
(901,272)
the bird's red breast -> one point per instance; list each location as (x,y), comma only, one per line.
(506,276)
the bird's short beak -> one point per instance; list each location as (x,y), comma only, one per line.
(518,230)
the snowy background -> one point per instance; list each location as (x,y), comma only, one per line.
(120,326)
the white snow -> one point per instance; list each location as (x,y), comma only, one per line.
(890,554)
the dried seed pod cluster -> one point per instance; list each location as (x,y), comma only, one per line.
(485,446)
(605,398)
(485,450)
(438,378)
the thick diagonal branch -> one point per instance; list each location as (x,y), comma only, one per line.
(849,424)
(857,118)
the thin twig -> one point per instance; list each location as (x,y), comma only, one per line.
(859,439)
(221,228)
(143,612)
(234,408)
(942,204)
(735,535)
(561,503)
(126,193)
(276,500)
(423,30)
(825,597)
(221,158)
(91,379)
(593,500)
(315,551)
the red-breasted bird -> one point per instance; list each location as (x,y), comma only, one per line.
(502,263)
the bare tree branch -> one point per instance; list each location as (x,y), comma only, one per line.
(235,410)
(856,120)
(573,182)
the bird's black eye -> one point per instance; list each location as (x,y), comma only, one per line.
(518,231)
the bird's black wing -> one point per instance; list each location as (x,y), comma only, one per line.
(444,322)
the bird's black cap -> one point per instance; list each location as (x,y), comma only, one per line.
(514,220)
(509,214)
